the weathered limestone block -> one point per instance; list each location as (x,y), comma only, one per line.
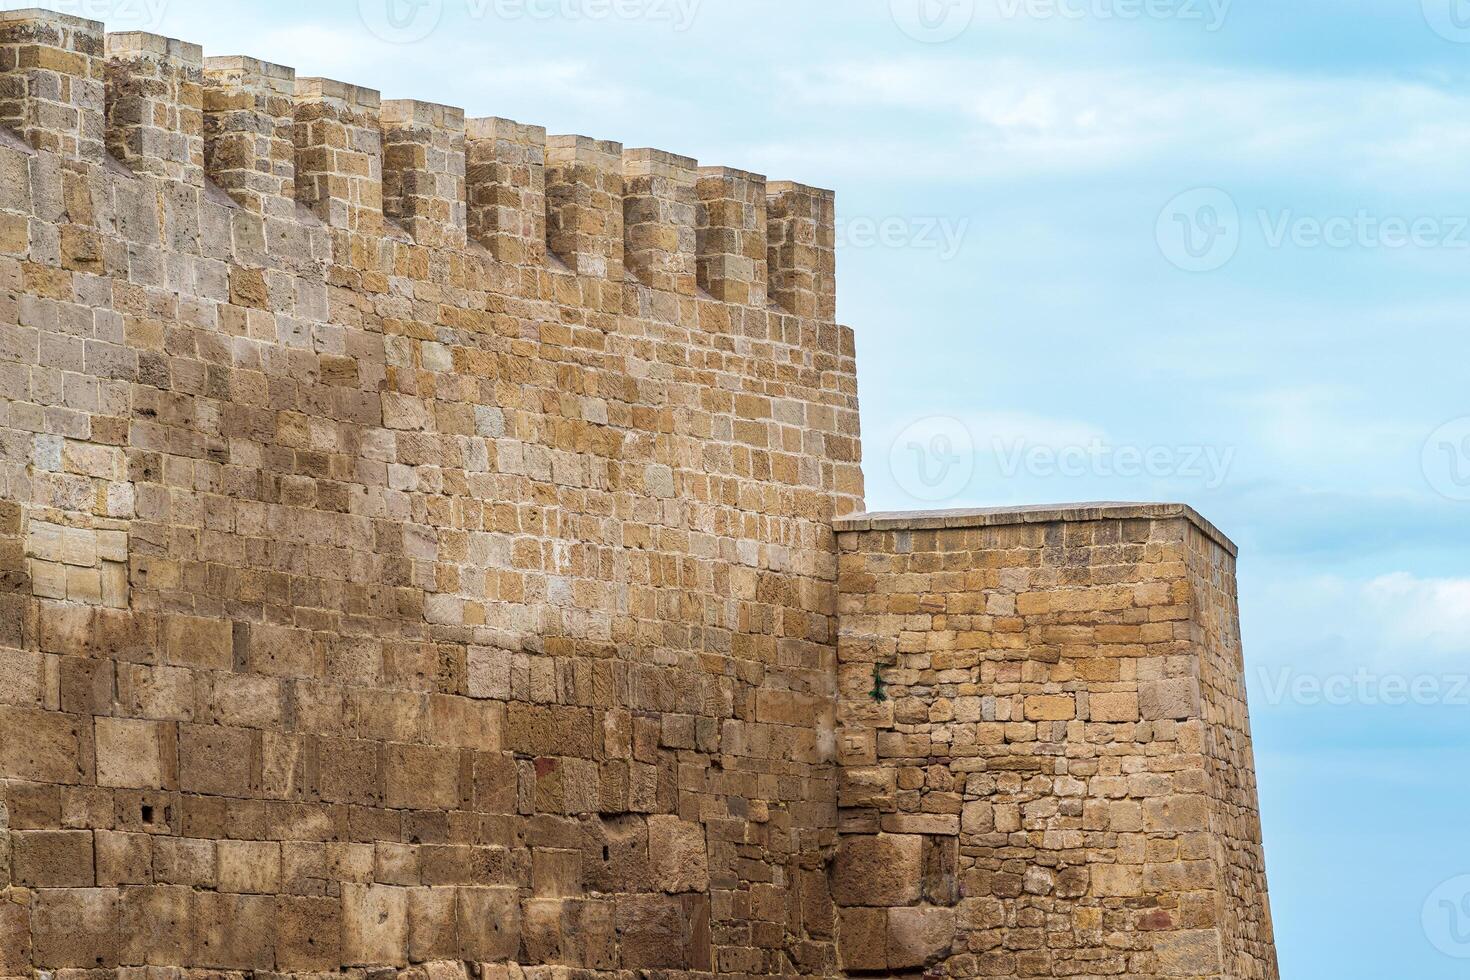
(677,851)
(53,859)
(424,171)
(733,262)
(802,249)
(249,130)
(660,217)
(506,178)
(155,105)
(52,82)
(918,937)
(584,205)
(880,870)
(374,925)
(339,153)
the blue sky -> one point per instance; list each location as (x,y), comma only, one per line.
(1215,251)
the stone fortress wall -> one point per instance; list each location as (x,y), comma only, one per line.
(423,548)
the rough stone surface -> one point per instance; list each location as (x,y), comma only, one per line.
(1070,689)
(424,554)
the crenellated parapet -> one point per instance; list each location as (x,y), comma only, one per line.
(155,105)
(289,148)
(249,127)
(52,82)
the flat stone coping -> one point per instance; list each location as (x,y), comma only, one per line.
(935,520)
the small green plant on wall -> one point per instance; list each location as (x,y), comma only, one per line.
(880,686)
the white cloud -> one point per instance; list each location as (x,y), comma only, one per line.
(1431,613)
(1400,623)
(1017,116)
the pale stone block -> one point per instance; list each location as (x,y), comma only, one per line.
(129,754)
(374,925)
(677,851)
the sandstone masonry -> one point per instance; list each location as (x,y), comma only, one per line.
(432,546)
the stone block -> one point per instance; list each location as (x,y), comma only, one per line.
(1169,700)
(1113,708)
(374,925)
(249,867)
(918,937)
(422,777)
(76,927)
(15,939)
(53,859)
(433,927)
(1195,953)
(308,934)
(41,746)
(215,761)
(123,859)
(1051,708)
(131,754)
(185,861)
(157,925)
(884,870)
(677,851)
(862,939)
(489,923)
(234,932)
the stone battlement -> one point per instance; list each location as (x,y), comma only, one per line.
(431,549)
(283,147)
